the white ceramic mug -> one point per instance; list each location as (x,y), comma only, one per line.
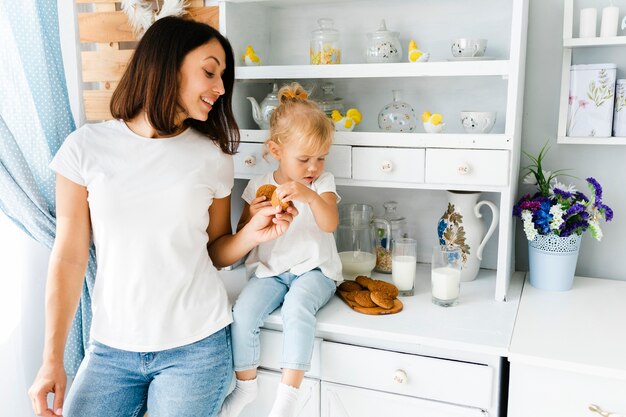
(478,121)
(464,47)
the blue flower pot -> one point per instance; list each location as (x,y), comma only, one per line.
(552,261)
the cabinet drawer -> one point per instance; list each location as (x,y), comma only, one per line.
(339,161)
(542,392)
(418,376)
(343,400)
(466,166)
(272,348)
(388,164)
(249,161)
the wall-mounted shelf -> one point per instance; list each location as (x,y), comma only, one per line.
(587,42)
(591,140)
(569,44)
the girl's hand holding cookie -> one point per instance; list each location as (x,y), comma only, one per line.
(295,191)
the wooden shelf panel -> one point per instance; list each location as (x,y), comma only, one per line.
(566,140)
(405,140)
(399,70)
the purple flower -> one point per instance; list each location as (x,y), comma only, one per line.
(597,189)
(562,194)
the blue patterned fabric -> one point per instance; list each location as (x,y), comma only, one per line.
(35,118)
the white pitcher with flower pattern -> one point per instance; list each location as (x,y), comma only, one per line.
(461,226)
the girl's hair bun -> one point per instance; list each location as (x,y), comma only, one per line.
(294,91)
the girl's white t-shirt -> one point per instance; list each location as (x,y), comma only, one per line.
(304,246)
(156,287)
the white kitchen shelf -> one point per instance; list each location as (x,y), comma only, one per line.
(280,32)
(591,140)
(405,140)
(570,43)
(421,69)
(586,42)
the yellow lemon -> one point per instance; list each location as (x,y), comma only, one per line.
(425,116)
(335,115)
(355,115)
(436,119)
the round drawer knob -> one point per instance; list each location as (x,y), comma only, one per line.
(463,169)
(249,161)
(386,166)
(400,377)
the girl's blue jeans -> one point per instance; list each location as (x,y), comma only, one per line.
(301,297)
(190,380)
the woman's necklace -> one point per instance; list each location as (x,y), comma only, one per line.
(141,14)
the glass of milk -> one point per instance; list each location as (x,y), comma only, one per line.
(446,275)
(403,264)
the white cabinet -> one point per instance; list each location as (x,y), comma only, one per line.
(537,391)
(572,44)
(346,401)
(567,351)
(279,31)
(455,382)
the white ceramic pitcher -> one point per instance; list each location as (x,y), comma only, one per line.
(461,226)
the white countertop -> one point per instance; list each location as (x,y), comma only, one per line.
(477,324)
(580,330)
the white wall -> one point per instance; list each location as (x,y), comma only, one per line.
(605,163)
(23,265)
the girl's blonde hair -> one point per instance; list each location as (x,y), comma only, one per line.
(298,118)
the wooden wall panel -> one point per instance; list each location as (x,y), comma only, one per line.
(106,28)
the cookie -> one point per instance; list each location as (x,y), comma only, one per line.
(277,202)
(349,286)
(266,190)
(381,299)
(350,295)
(382,286)
(363,280)
(363,299)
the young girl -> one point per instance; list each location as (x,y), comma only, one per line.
(298,270)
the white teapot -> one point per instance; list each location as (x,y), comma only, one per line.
(262,113)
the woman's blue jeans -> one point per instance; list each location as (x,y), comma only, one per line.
(187,381)
(301,297)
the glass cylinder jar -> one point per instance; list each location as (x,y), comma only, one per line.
(397,116)
(383,45)
(328,102)
(398,229)
(325,47)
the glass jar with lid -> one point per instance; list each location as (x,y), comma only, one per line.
(328,102)
(398,230)
(325,47)
(383,45)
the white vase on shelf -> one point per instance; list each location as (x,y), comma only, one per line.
(461,226)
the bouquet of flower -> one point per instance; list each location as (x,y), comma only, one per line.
(557,208)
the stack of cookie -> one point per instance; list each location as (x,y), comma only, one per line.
(366,293)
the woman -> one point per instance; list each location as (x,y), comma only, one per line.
(153,187)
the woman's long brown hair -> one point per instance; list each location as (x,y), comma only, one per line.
(150,81)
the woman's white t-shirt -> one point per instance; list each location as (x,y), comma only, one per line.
(156,287)
(304,246)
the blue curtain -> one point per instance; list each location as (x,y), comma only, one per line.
(35,118)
